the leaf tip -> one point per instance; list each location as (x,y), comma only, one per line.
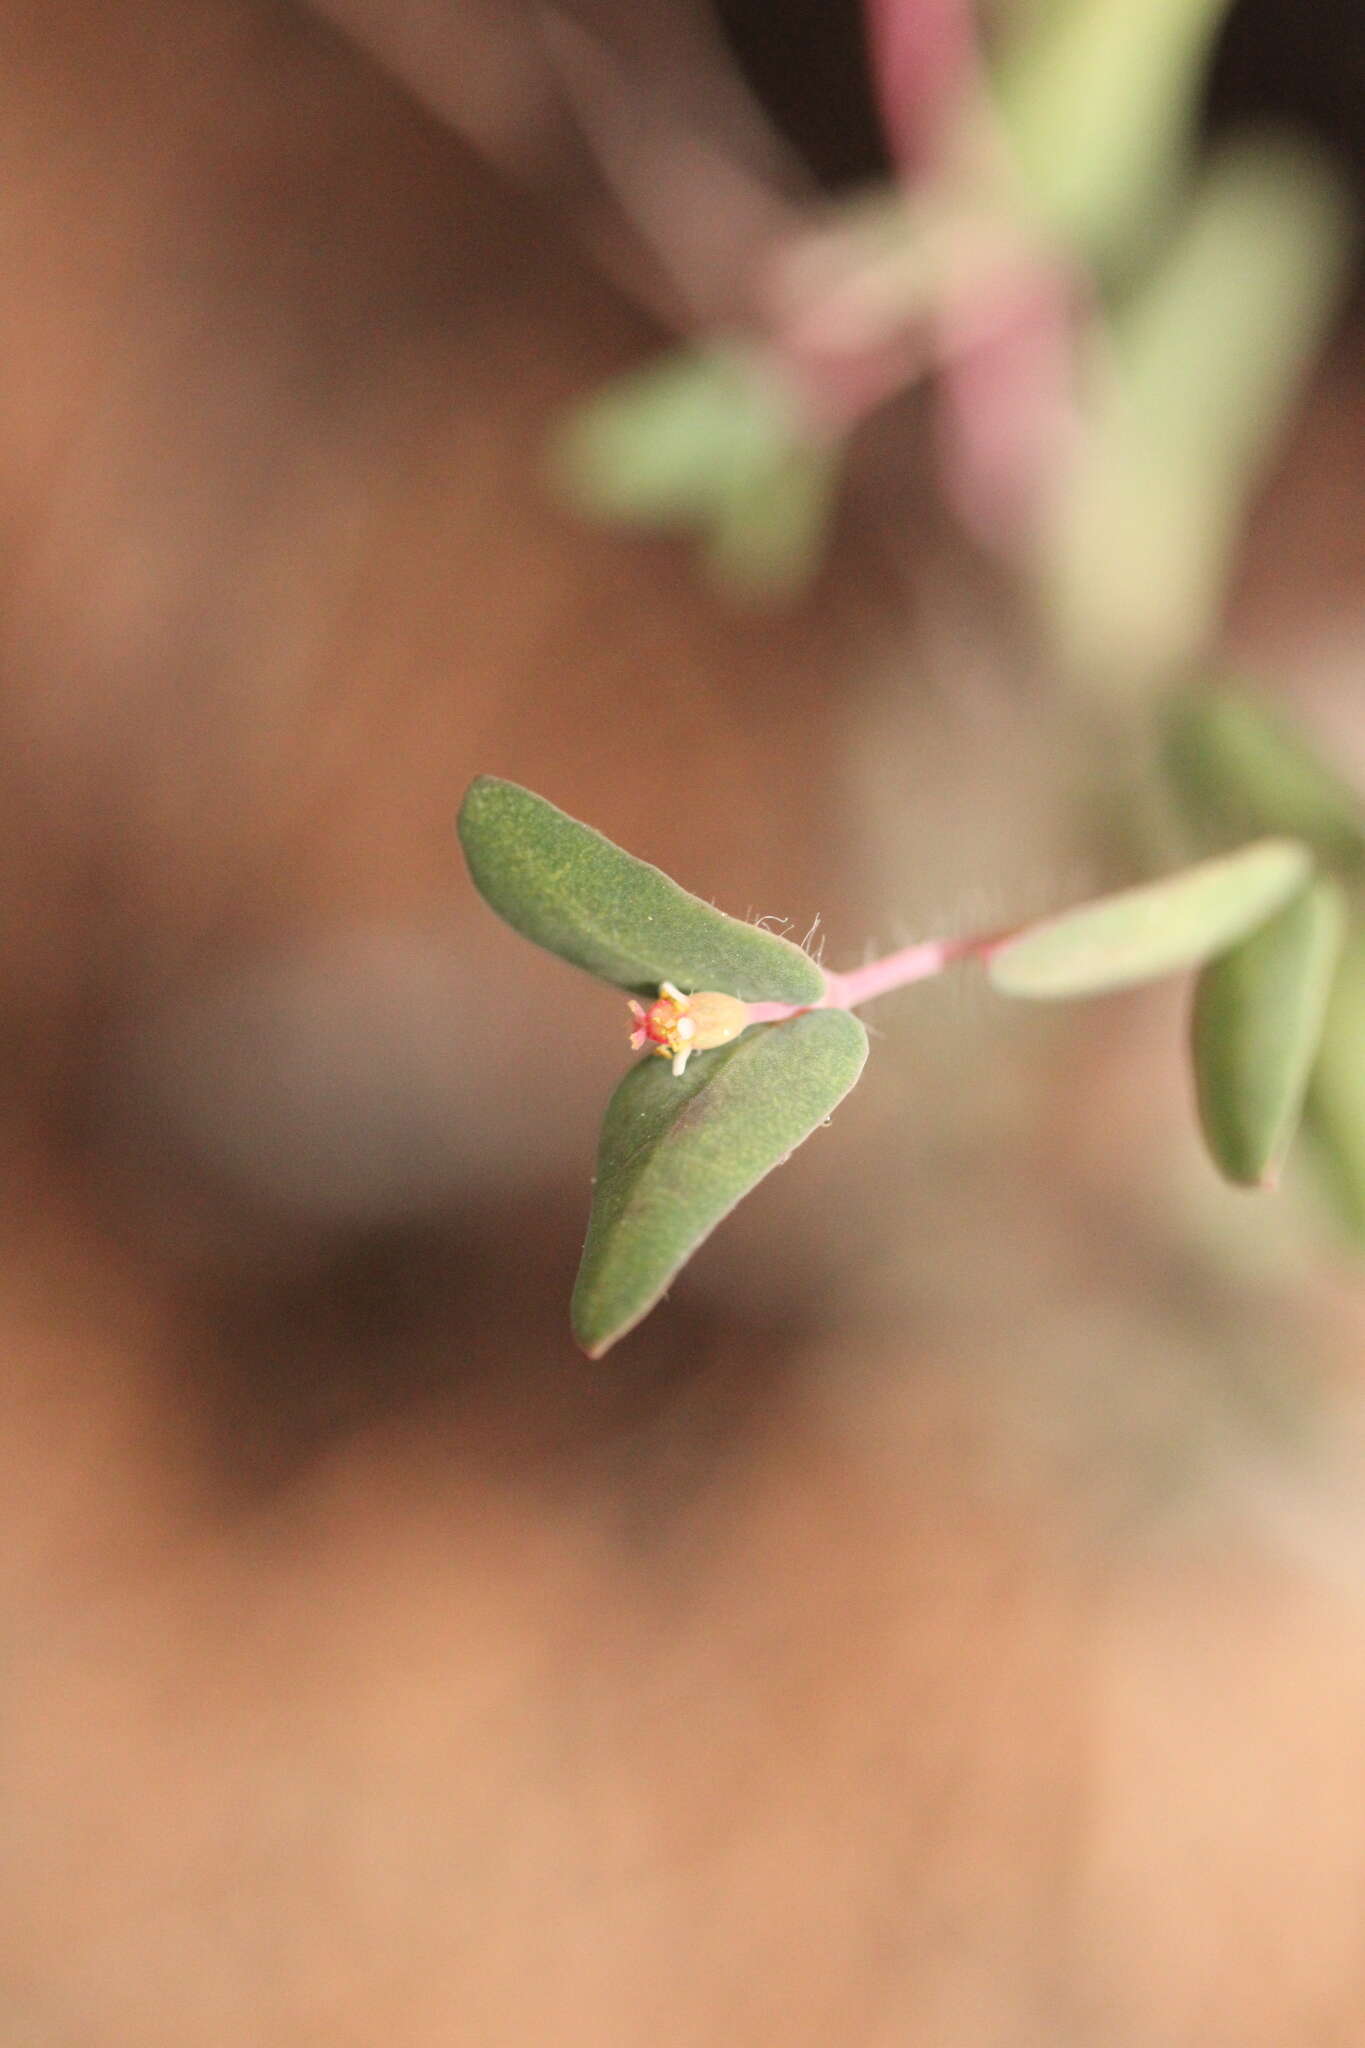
(595,1342)
(479,789)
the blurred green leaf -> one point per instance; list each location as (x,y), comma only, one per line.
(677,1155)
(1225,327)
(1182,410)
(769,533)
(663,444)
(565,887)
(1336,1097)
(707,441)
(1100,100)
(1160,928)
(1255,1031)
(1242,769)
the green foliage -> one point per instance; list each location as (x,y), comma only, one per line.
(677,1155)
(768,533)
(1337,1093)
(1183,399)
(678,1151)
(1217,282)
(565,887)
(663,444)
(1240,769)
(1098,98)
(1217,289)
(1256,1027)
(707,442)
(1158,929)
(1261,1011)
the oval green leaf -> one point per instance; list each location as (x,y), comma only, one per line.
(768,535)
(1336,1097)
(666,444)
(1256,1026)
(1160,928)
(677,1155)
(1099,99)
(1183,400)
(565,887)
(1239,768)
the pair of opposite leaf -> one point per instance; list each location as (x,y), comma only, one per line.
(686,1137)
(1289,1002)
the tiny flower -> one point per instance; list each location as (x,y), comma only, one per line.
(677,1025)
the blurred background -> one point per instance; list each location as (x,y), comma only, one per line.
(812,444)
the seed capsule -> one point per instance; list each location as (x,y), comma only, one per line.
(677,1025)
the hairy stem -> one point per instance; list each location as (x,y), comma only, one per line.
(919,962)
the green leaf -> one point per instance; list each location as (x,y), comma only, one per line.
(708,441)
(766,539)
(1181,413)
(677,1155)
(1336,1099)
(667,444)
(1157,929)
(565,887)
(1100,100)
(1241,769)
(1257,1023)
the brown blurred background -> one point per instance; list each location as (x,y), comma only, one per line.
(944,1622)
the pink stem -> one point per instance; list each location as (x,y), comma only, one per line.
(924,64)
(919,962)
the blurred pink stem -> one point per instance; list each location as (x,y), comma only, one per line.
(923,58)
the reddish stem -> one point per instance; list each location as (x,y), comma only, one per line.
(919,962)
(923,58)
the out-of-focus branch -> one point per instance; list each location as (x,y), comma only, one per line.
(627,116)
(923,56)
(630,118)
(705,196)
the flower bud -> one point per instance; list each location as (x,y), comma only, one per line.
(677,1025)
